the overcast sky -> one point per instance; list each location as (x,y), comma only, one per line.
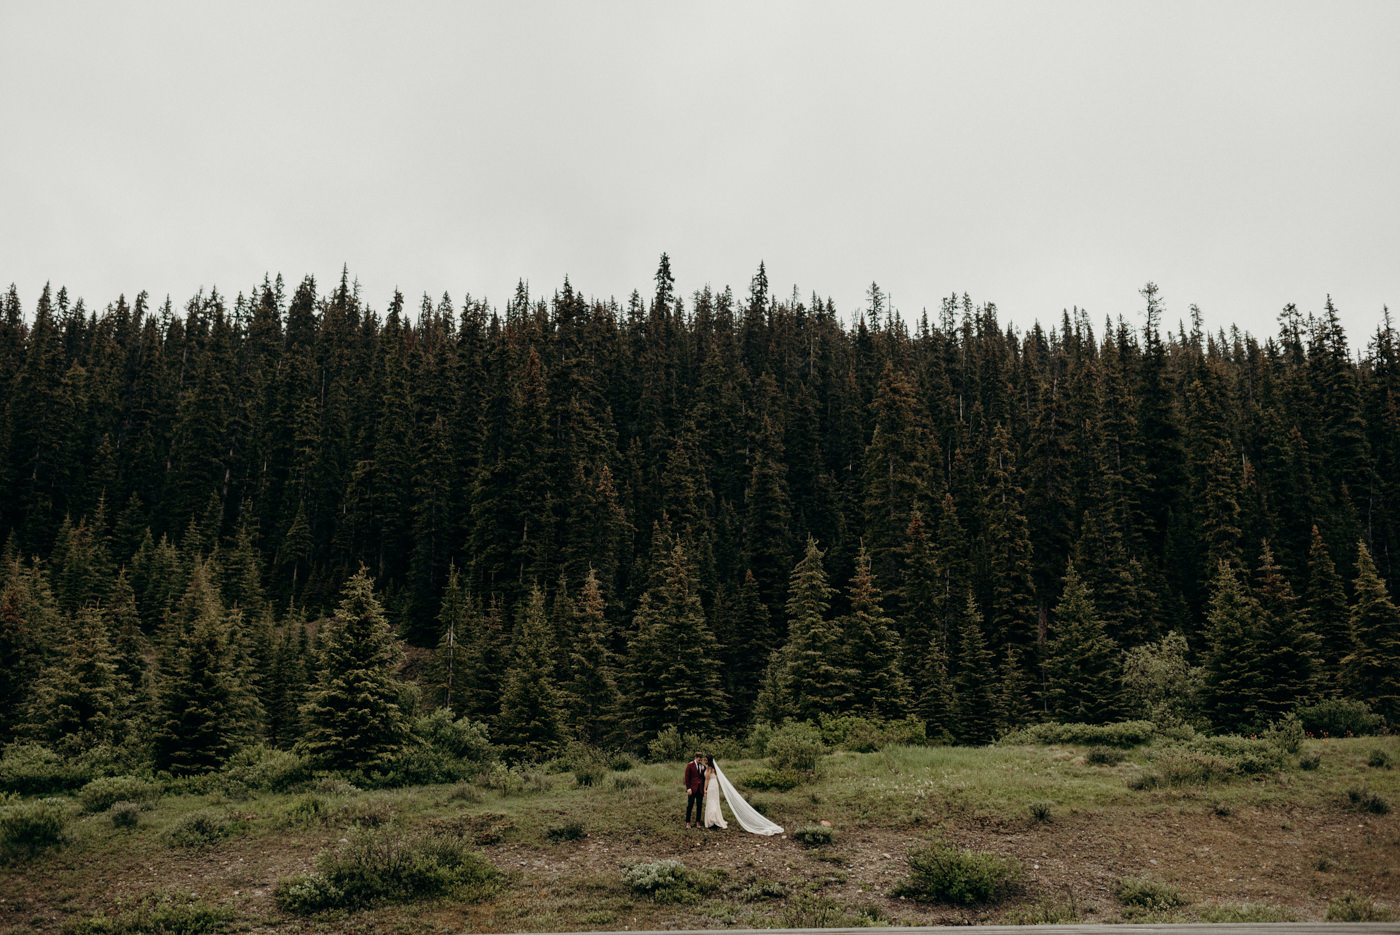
(1038,155)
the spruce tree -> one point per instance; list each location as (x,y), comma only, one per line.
(871,647)
(815,673)
(1325,600)
(1373,666)
(354,721)
(196,721)
(1230,674)
(592,690)
(1285,655)
(1081,660)
(75,702)
(974,681)
(531,722)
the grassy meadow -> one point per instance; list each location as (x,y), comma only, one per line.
(1192,830)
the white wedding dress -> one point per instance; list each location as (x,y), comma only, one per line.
(745,814)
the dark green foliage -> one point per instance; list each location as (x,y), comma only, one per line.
(1364,800)
(531,723)
(1354,907)
(202,828)
(33,769)
(772,780)
(353,714)
(945,873)
(104,792)
(279,440)
(1121,734)
(1151,895)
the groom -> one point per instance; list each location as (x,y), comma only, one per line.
(695,790)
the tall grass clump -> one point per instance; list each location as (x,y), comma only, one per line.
(1353,907)
(944,873)
(383,865)
(29,828)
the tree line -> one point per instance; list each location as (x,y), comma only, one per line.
(591,519)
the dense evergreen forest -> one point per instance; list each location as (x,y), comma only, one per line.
(598,520)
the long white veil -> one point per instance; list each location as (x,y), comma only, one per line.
(748,817)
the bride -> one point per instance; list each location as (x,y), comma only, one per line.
(748,817)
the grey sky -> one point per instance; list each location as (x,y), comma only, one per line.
(1039,155)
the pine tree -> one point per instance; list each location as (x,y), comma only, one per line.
(974,681)
(1230,673)
(814,672)
(1285,656)
(672,673)
(354,721)
(531,723)
(75,701)
(1081,660)
(458,621)
(196,720)
(1325,601)
(871,647)
(1373,666)
(592,691)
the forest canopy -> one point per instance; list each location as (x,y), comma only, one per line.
(606,520)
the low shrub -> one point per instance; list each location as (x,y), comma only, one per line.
(1040,811)
(1309,761)
(104,792)
(442,750)
(665,881)
(156,915)
(569,831)
(1104,756)
(942,872)
(1151,895)
(670,745)
(33,769)
(125,814)
(795,746)
(772,780)
(309,809)
(591,774)
(378,866)
(1353,907)
(1336,717)
(813,835)
(1364,800)
(763,889)
(1119,734)
(1378,759)
(371,812)
(201,829)
(621,762)
(267,769)
(29,828)
(627,781)
(1048,913)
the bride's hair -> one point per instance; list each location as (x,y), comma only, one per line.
(709,760)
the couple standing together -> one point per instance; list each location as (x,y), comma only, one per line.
(704,781)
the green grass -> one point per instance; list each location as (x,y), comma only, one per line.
(523,823)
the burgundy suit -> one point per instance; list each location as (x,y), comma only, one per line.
(695,791)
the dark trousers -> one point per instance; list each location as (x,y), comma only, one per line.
(695,800)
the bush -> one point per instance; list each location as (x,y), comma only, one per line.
(102,793)
(1336,717)
(1104,756)
(772,780)
(156,916)
(569,831)
(1378,759)
(443,750)
(1364,800)
(669,745)
(200,829)
(27,828)
(1152,895)
(795,746)
(1040,811)
(1353,907)
(621,762)
(813,835)
(1247,913)
(1121,734)
(662,881)
(1309,761)
(125,814)
(379,866)
(268,769)
(941,872)
(1286,733)
(33,769)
